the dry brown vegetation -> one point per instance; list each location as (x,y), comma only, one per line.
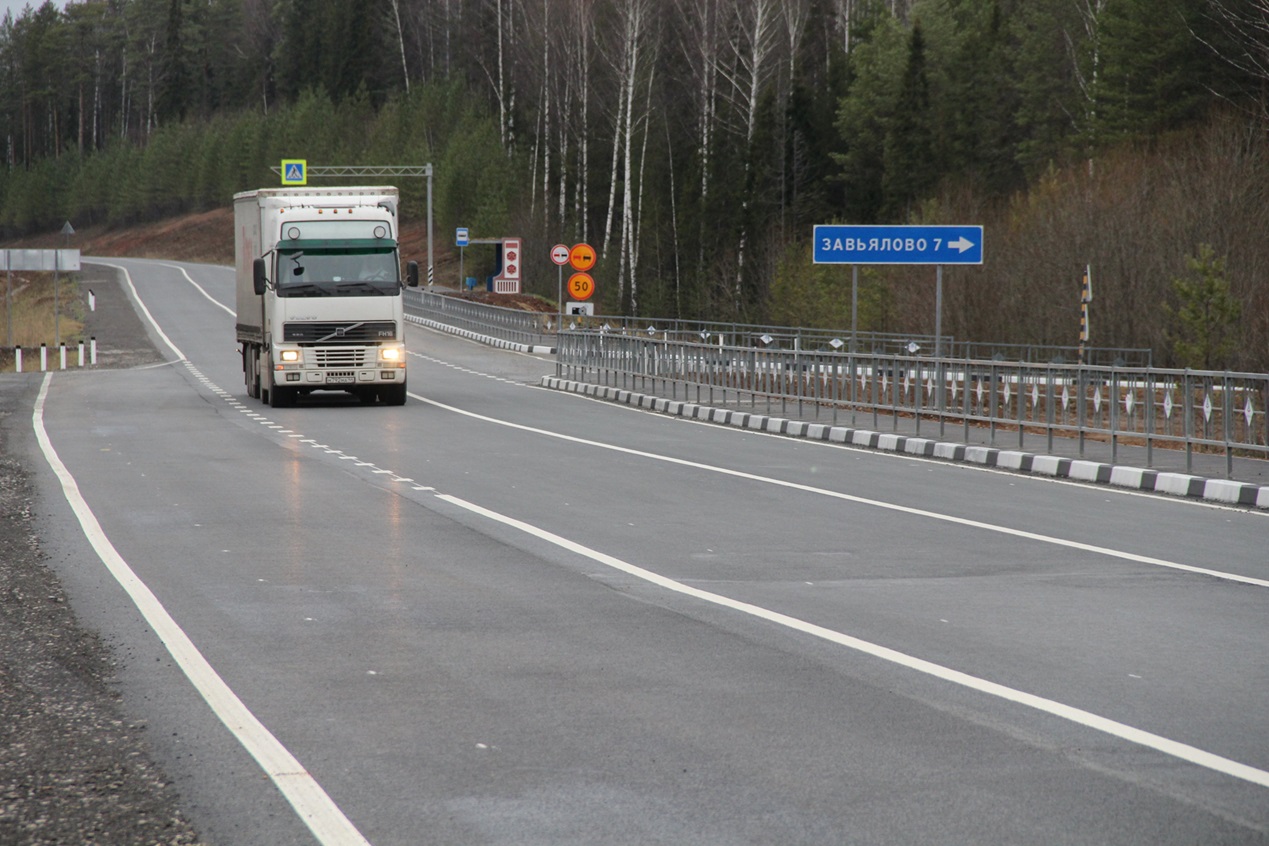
(34,320)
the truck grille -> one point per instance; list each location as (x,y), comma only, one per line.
(364,332)
(339,357)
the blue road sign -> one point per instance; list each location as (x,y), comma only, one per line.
(294,172)
(898,245)
(460,237)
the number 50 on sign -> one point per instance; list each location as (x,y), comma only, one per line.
(581,286)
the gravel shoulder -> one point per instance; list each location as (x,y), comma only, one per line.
(73,768)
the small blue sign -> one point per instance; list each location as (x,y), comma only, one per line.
(294,172)
(460,237)
(898,245)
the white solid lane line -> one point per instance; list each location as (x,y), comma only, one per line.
(314,807)
(1167,746)
(877,503)
(127,277)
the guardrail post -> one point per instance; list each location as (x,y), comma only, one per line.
(1081,405)
(1148,412)
(1049,391)
(1114,416)
(1022,407)
(1227,403)
(1188,405)
(994,401)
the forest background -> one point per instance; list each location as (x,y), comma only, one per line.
(695,143)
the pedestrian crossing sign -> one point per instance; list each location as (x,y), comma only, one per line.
(294,171)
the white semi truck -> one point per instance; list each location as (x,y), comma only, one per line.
(319,293)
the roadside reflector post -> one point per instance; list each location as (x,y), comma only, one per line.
(43,357)
(92,350)
(17,359)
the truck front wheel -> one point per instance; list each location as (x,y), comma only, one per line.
(392,395)
(282,397)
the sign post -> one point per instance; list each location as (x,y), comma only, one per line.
(461,240)
(1086,297)
(937,245)
(38,260)
(581,285)
(559,257)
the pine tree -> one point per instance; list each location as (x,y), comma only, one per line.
(911,161)
(174,84)
(1207,313)
(1153,71)
(1049,41)
(864,115)
(978,106)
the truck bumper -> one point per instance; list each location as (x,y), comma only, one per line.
(337,379)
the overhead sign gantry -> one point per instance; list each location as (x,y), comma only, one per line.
(299,171)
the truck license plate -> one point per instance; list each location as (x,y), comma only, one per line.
(339,380)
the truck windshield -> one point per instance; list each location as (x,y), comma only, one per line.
(338,273)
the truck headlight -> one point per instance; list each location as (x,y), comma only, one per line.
(392,354)
(290,356)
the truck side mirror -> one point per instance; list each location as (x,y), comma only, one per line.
(258,278)
(412,274)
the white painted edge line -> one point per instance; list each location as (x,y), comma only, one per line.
(889,506)
(1145,480)
(311,803)
(203,290)
(127,277)
(1173,748)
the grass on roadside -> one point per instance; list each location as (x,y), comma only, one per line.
(35,320)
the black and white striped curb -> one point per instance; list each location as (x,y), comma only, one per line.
(1136,478)
(484,339)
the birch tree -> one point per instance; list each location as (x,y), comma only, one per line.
(500,74)
(699,43)
(754,38)
(635,20)
(396,20)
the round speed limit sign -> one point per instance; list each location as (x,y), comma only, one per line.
(581,286)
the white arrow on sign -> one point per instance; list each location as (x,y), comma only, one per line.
(962,244)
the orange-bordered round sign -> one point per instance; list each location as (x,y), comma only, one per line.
(581,286)
(582,257)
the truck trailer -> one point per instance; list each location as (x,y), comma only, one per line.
(319,293)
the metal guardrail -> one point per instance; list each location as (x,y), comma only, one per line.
(540,329)
(509,324)
(1221,412)
(1033,393)
(883,343)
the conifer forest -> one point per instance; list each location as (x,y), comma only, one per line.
(695,143)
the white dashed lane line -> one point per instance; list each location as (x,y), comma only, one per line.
(1167,746)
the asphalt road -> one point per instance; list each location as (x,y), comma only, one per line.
(505,615)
